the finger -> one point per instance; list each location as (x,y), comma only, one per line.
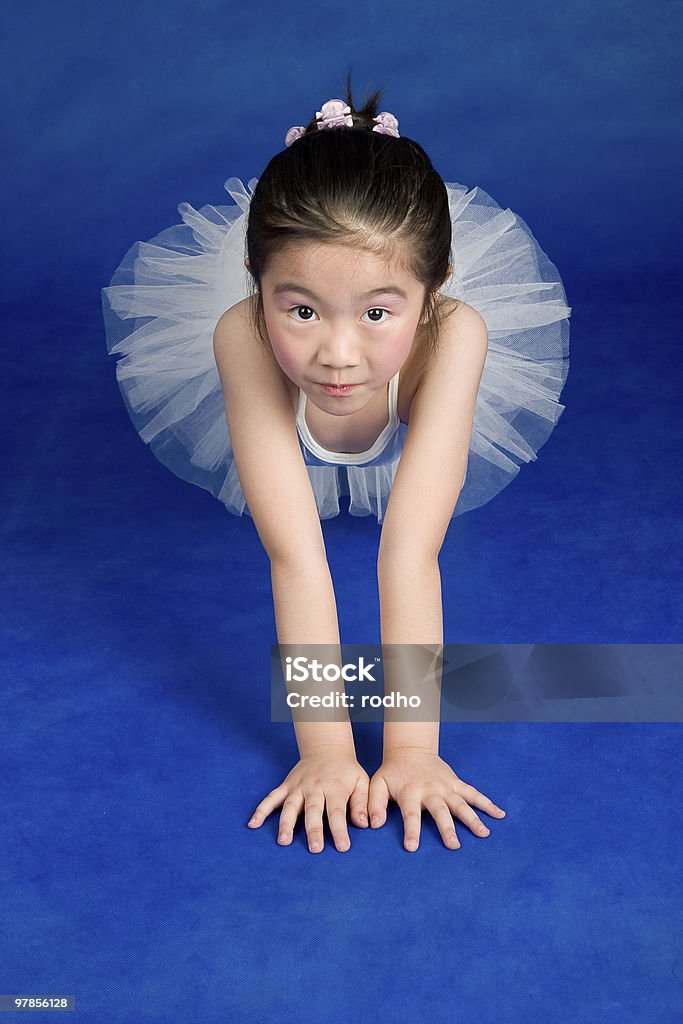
(358,803)
(378,798)
(479,800)
(411,810)
(439,810)
(335,804)
(291,809)
(462,809)
(268,804)
(313,818)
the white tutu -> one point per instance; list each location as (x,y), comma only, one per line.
(164,300)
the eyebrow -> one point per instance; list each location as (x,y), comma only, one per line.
(390,289)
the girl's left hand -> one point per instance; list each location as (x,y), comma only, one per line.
(416,778)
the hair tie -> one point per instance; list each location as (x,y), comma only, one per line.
(337,114)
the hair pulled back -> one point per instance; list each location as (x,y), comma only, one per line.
(354,186)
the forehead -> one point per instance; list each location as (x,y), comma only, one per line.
(325,260)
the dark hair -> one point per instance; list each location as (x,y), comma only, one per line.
(352,185)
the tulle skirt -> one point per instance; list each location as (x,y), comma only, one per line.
(165,298)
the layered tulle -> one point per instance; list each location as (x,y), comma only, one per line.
(164,300)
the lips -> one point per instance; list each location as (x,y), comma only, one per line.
(338,389)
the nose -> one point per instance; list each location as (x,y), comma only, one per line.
(340,349)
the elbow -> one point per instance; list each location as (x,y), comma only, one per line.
(399,546)
(298,558)
(404,558)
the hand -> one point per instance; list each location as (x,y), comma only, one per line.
(416,778)
(326,777)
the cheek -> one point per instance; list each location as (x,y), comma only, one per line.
(402,344)
(279,340)
(286,353)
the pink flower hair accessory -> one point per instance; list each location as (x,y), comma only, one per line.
(294,133)
(337,114)
(334,114)
(386,124)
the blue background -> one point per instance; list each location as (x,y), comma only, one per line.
(138,614)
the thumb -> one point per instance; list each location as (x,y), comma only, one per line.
(378,798)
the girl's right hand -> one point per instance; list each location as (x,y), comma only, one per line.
(328,777)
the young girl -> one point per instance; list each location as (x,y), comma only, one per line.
(354,326)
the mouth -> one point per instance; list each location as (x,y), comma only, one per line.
(338,389)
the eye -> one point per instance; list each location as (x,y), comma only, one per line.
(308,314)
(378,309)
(306,319)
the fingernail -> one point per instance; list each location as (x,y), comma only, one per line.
(315,846)
(375,819)
(363,817)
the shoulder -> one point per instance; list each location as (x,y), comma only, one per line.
(240,354)
(462,346)
(247,368)
(236,345)
(463,337)
(234,320)
(462,323)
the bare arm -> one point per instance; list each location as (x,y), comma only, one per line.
(411,613)
(277,489)
(275,482)
(426,487)
(306,614)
